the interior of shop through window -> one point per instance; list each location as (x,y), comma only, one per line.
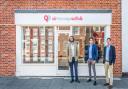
(38,43)
(38,46)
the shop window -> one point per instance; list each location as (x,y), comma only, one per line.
(38,43)
(82,38)
(26,42)
(63,27)
(38,46)
(97,32)
(76,30)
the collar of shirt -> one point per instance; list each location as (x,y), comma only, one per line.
(90,44)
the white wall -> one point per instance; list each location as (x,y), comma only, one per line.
(125,35)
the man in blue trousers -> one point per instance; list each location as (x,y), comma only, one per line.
(73,59)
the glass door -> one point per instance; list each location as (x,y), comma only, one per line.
(62,51)
(63,33)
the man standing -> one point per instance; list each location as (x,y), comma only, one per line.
(109,60)
(73,59)
(92,54)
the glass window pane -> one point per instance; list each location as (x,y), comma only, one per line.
(76,30)
(26,44)
(34,47)
(38,44)
(42,44)
(49,45)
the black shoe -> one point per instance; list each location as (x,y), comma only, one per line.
(106,84)
(71,81)
(89,80)
(77,81)
(110,87)
(94,83)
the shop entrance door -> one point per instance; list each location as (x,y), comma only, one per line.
(62,55)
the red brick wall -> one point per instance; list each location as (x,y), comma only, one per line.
(7,26)
(7,50)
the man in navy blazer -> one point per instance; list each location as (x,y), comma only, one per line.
(109,61)
(92,55)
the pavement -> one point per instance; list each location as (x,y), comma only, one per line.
(57,83)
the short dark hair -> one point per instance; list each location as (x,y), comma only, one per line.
(109,39)
(72,38)
(91,38)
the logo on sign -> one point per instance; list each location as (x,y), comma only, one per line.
(47,18)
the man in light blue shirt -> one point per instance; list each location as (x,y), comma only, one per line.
(92,54)
(90,51)
(109,61)
(107,53)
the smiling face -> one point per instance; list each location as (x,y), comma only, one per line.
(108,41)
(91,41)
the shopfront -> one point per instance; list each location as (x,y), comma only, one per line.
(42,38)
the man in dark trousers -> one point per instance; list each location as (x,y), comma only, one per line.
(92,55)
(109,61)
(73,59)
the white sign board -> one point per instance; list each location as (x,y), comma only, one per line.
(63,18)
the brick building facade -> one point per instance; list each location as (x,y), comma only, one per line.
(8,26)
